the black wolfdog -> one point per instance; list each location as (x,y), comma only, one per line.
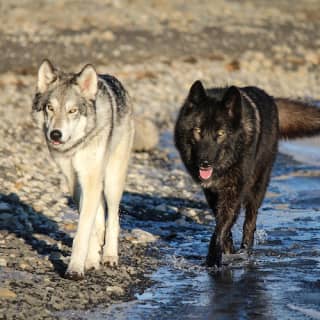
(228,139)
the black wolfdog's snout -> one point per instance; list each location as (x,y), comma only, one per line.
(204,164)
(55,135)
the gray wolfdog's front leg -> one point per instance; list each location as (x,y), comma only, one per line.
(91,189)
(96,239)
(97,233)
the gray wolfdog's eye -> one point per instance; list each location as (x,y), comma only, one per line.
(49,107)
(73,110)
(197,133)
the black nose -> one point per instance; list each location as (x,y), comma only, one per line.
(204,164)
(55,135)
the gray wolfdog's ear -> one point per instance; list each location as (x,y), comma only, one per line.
(46,75)
(197,93)
(232,101)
(87,81)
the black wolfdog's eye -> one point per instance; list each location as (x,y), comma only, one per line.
(49,107)
(197,133)
(221,133)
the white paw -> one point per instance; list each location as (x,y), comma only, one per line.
(92,262)
(74,272)
(111,261)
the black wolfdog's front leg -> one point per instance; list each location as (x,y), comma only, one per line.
(212,199)
(214,257)
(225,219)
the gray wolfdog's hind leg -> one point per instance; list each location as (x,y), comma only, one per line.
(96,239)
(116,173)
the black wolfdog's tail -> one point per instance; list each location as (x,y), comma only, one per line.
(297,119)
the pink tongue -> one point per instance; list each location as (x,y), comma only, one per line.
(205,173)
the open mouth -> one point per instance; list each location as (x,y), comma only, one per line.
(56,143)
(205,173)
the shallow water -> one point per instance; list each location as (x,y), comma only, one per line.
(281,280)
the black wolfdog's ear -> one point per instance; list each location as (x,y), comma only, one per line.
(197,92)
(232,101)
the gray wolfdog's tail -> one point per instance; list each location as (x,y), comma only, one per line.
(297,119)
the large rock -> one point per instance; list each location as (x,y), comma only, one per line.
(146,134)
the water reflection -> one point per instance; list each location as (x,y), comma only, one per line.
(239,294)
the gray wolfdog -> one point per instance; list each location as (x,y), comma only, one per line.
(87,123)
(228,139)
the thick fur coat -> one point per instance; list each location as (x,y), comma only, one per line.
(228,139)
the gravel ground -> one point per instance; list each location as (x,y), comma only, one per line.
(157,49)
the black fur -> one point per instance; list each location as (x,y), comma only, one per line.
(234,133)
(227,138)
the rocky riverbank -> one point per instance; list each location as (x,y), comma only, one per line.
(157,49)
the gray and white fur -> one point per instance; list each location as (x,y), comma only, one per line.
(88,126)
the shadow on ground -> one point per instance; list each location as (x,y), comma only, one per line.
(28,224)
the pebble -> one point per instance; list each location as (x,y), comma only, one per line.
(190,213)
(55,255)
(70,226)
(24,266)
(4,207)
(142,237)
(3,262)
(118,291)
(6,293)
(32,301)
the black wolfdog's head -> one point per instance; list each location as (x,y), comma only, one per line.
(208,133)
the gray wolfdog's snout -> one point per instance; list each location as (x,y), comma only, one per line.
(56,135)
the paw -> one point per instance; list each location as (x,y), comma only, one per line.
(92,263)
(74,273)
(213,262)
(245,249)
(229,249)
(214,259)
(111,261)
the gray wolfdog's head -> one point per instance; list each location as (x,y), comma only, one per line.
(64,104)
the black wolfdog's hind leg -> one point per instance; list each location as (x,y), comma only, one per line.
(252,205)
(228,247)
(249,228)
